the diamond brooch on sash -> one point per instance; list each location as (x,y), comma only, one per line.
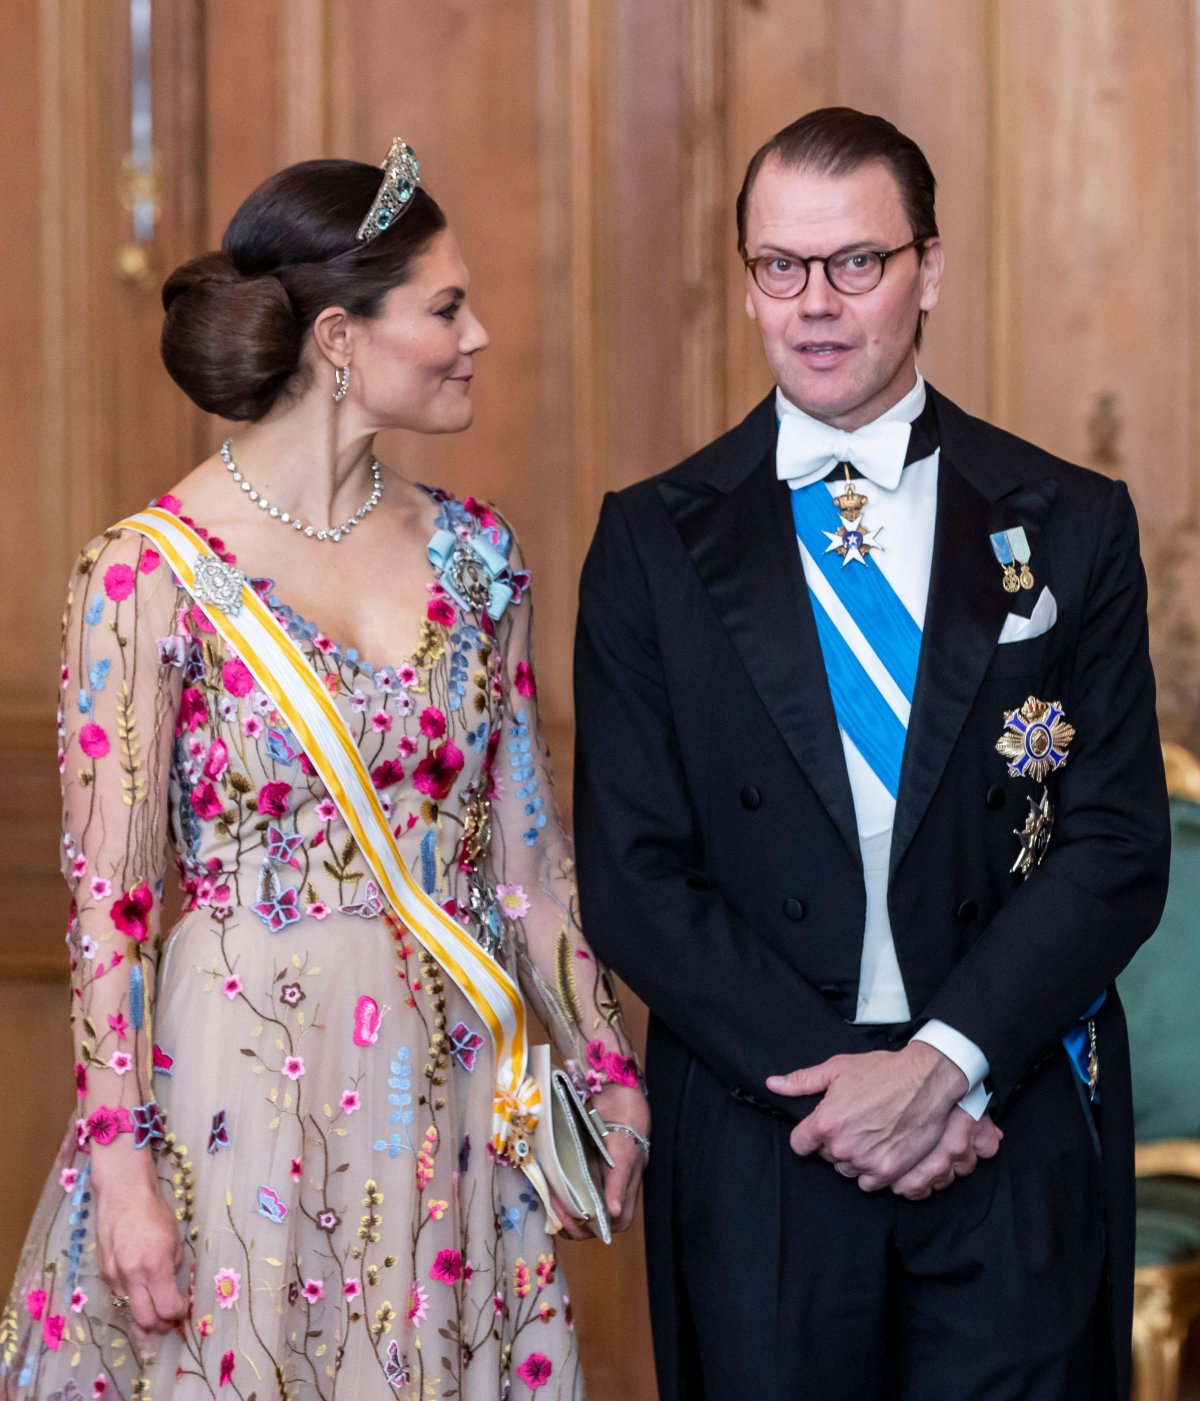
(219,583)
(852,539)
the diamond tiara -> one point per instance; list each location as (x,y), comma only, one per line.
(401,176)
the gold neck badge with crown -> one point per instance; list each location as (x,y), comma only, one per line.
(852,539)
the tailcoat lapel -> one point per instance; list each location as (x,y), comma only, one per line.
(737,526)
(980,491)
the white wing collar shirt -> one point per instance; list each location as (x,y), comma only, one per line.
(901,513)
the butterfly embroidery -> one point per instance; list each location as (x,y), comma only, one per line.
(218,1136)
(367,1019)
(270,1206)
(163,1063)
(370,908)
(396,1368)
(278,913)
(280,746)
(465,1045)
(511,1218)
(282,846)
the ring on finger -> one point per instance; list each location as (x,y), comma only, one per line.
(845,1169)
(119,1301)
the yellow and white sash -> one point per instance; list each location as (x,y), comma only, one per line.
(283,672)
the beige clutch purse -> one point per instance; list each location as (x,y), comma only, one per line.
(570,1145)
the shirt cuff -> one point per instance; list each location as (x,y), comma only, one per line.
(967,1056)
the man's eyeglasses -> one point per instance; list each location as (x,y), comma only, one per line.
(852,271)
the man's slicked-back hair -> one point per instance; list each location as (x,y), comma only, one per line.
(839,140)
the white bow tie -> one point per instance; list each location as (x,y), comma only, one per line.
(807,450)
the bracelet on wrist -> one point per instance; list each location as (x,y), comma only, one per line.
(639,1138)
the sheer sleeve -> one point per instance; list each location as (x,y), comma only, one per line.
(534,870)
(121,689)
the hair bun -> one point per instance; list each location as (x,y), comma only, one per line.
(230,342)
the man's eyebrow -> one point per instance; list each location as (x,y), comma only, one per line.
(872,244)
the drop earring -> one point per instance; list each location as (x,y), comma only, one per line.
(341,380)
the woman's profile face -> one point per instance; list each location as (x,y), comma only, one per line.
(413,363)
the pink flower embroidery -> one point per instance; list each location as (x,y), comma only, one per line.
(350,1102)
(149,561)
(535,1371)
(621,1070)
(228,1363)
(440,610)
(52,1327)
(231,986)
(206,802)
(118,1024)
(228,1285)
(236,678)
(390,771)
(293,1067)
(94,741)
(513,900)
(433,722)
(524,680)
(273,798)
(446,1267)
(318,909)
(192,710)
(218,759)
(169,503)
(314,1290)
(68,1178)
(418,1304)
(351,1289)
(118,581)
(101,889)
(381,722)
(35,1303)
(327,810)
(104,1124)
(130,912)
(81,1080)
(78,1301)
(121,1062)
(436,772)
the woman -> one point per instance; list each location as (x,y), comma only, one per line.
(284,1176)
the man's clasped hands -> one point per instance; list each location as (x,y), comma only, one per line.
(891,1119)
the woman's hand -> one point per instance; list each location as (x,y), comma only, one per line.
(140,1254)
(623,1104)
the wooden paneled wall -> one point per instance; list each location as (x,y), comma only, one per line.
(588,153)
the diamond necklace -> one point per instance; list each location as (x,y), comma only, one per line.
(334,533)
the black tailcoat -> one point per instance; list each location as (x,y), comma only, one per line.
(718,855)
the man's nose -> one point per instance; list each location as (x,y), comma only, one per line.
(818,300)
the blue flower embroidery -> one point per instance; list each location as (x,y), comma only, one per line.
(400,1082)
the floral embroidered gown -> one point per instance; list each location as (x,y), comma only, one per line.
(317,1092)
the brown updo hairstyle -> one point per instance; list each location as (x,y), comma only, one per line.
(233,334)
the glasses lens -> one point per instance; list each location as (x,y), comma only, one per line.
(780,277)
(854,272)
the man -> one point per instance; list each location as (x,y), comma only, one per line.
(825,669)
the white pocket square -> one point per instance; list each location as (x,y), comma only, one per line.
(1041,620)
